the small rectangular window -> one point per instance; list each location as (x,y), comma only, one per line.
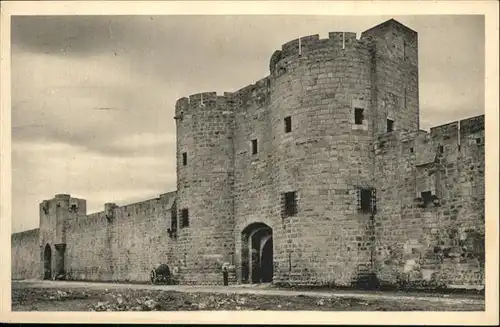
(289,204)
(358,116)
(426,194)
(254,146)
(173,220)
(184,159)
(366,200)
(390,125)
(411,150)
(426,197)
(185,218)
(441,149)
(478,141)
(288,124)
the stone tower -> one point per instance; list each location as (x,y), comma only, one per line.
(205,172)
(394,76)
(290,160)
(340,93)
(55,215)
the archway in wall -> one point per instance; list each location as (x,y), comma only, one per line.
(257,253)
(47,262)
(267,261)
(59,259)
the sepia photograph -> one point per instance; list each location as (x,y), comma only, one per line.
(244,162)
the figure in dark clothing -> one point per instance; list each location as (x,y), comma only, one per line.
(225,276)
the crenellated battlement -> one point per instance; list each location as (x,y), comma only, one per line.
(445,132)
(312,44)
(458,132)
(203,101)
(62,196)
(304,44)
(464,132)
(471,126)
(142,209)
(257,93)
(434,161)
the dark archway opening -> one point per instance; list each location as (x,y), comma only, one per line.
(267,261)
(59,270)
(257,254)
(47,262)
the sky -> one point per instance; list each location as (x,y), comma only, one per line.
(93,96)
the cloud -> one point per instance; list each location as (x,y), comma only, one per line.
(42,169)
(68,35)
(89,126)
(90,103)
(446,102)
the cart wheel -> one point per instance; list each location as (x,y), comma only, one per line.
(153,277)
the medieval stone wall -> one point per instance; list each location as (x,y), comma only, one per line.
(235,162)
(205,179)
(24,255)
(254,199)
(118,244)
(122,244)
(441,242)
(324,158)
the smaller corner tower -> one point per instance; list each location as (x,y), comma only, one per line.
(205,180)
(55,215)
(394,77)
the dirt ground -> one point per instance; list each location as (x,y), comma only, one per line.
(26,297)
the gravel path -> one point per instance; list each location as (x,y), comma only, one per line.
(82,296)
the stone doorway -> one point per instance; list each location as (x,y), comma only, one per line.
(47,262)
(257,254)
(59,270)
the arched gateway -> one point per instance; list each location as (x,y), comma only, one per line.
(257,253)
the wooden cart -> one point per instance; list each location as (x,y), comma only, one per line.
(160,275)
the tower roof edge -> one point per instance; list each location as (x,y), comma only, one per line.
(390,22)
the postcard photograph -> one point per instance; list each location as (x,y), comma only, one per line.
(231,162)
